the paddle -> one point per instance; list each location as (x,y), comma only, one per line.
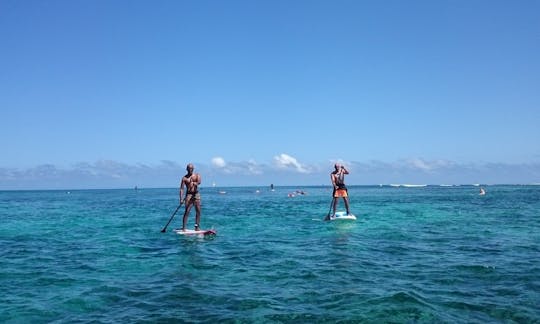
(330,210)
(170,219)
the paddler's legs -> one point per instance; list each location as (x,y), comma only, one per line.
(346,200)
(197,214)
(334,207)
(189,203)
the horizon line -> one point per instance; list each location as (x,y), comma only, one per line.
(403,185)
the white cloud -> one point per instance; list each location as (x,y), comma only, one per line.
(427,166)
(241,168)
(253,167)
(284,170)
(219,162)
(420,164)
(284,161)
(340,161)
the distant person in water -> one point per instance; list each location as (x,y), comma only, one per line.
(190,183)
(482,191)
(340,190)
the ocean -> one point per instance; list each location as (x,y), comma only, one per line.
(429,254)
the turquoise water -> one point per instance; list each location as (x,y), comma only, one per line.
(415,255)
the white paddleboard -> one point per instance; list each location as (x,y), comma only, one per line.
(194,232)
(343,216)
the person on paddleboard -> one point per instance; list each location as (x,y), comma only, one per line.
(340,190)
(190,183)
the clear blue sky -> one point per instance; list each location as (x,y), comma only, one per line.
(124,93)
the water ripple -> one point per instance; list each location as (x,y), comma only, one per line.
(418,255)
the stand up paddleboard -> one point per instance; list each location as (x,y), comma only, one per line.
(342,216)
(194,232)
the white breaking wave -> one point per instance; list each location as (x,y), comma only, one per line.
(407,185)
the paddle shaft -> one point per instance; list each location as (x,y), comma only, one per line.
(331,205)
(170,219)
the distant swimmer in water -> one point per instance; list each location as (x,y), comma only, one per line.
(340,190)
(482,192)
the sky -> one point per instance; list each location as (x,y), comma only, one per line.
(117,94)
